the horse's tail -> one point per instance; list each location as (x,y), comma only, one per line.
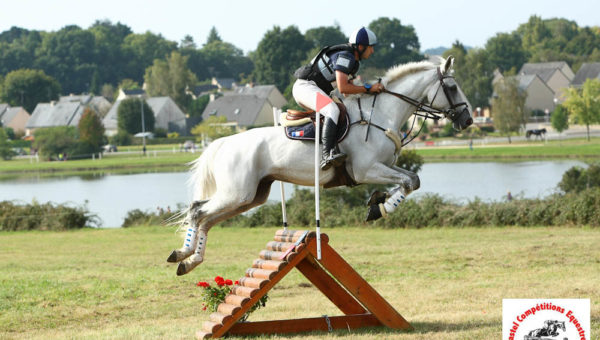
(202,179)
(202,182)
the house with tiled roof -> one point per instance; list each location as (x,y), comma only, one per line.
(247,106)
(557,75)
(54,114)
(14,117)
(131,93)
(586,71)
(167,115)
(201,90)
(539,95)
(98,104)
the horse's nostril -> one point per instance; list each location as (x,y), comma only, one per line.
(469,121)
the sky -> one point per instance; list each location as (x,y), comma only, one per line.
(244,22)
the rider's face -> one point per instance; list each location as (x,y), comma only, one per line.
(367,52)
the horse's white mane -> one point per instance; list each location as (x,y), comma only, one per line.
(402,70)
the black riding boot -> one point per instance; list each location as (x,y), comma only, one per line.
(331,156)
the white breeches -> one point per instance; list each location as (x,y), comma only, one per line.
(305,94)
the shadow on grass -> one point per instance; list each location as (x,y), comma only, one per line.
(419,328)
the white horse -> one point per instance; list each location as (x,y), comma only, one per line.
(235,173)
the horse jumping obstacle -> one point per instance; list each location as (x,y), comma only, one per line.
(332,275)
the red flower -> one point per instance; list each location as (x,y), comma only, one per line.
(215,294)
(204,308)
(228,282)
(203,284)
(237,282)
(219,279)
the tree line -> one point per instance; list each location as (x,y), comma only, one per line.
(108,55)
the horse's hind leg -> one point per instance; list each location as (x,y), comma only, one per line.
(191,234)
(215,214)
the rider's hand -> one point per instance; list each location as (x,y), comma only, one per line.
(377,88)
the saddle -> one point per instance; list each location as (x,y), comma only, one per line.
(300,125)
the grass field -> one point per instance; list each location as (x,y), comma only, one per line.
(449,283)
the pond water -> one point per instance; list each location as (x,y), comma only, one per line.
(111,196)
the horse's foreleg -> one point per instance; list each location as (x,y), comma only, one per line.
(382,205)
(193,215)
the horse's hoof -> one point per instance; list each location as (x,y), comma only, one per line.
(376,198)
(178,256)
(187,266)
(374,213)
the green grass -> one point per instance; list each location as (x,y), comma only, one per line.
(567,149)
(449,283)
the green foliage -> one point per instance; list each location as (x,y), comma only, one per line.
(212,128)
(584,104)
(196,107)
(6,151)
(560,119)
(410,160)
(91,130)
(505,51)
(46,216)
(578,179)
(129,116)
(138,217)
(53,141)
(170,78)
(346,207)
(213,296)
(26,88)
(121,138)
(509,106)
(396,43)
(323,36)
(278,54)
(129,84)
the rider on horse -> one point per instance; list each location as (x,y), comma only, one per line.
(334,66)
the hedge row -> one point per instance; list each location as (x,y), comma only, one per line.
(45,216)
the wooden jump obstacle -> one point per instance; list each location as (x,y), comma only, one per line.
(332,275)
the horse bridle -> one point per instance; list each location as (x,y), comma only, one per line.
(421,108)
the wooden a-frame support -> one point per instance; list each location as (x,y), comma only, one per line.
(332,275)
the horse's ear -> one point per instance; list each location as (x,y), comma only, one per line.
(449,64)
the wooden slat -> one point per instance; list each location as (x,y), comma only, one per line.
(281,274)
(270,255)
(219,318)
(244,291)
(282,235)
(279,246)
(225,308)
(236,300)
(310,268)
(260,273)
(253,282)
(304,325)
(268,264)
(211,327)
(359,288)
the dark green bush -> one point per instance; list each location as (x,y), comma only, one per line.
(47,216)
(578,179)
(138,217)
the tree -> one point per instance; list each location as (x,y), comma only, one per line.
(225,60)
(584,104)
(508,106)
(6,151)
(320,37)
(506,52)
(213,36)
(212,128)
(53,141)
(560,119)
(170,78)
(27,88)
(474,72)
(129,116)
(396,43)
(278,55)
(91,130)
(140,51)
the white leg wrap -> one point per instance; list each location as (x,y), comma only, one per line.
(392,203)
(201,246)
(189,241)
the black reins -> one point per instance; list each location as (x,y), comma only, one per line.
(422,109)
